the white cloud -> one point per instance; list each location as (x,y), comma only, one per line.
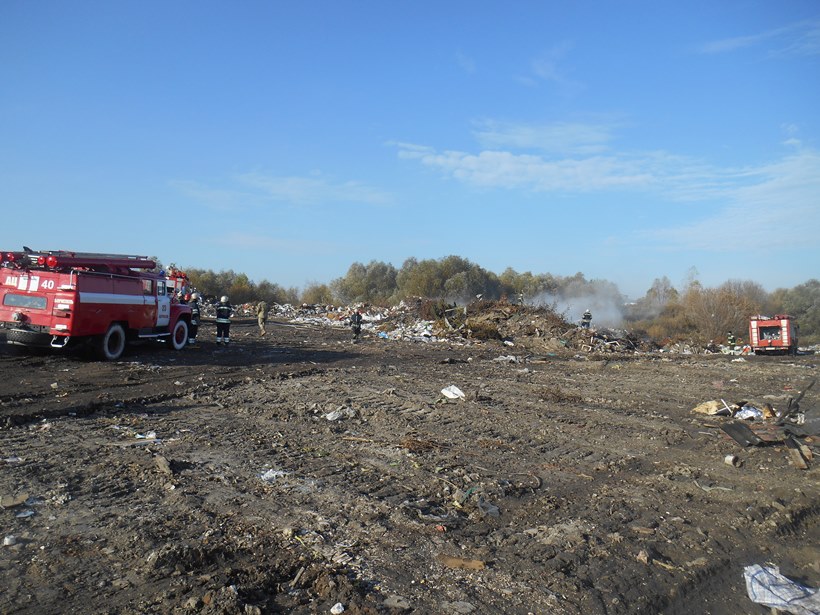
(551,67)
(774,206)
(255,188)
(801,38)
(220,199)
(253,241)
(315,189)
(466,63)
(548,66)
(563,137)
(503,169)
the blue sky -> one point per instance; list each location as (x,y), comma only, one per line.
(626,140)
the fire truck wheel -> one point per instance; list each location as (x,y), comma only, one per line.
(179,336)
(111,345)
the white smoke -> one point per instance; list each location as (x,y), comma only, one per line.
(602,299)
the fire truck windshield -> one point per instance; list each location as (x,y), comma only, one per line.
(25,301)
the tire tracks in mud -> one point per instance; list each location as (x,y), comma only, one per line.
(592,465)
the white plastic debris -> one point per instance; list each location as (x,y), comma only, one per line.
(453,392)
(506,358)
(337,608)
(766,586)
(271,475)
(9,540)
(750,413)
(151,435)
(341,412)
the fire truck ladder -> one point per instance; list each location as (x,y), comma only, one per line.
(63,258)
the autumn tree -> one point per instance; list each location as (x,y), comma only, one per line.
(374,283)
(803,303)
(317,294)
(716,311)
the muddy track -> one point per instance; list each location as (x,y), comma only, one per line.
(292,472)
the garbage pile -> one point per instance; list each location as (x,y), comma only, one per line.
(752,423)
(535,329)
(530,328)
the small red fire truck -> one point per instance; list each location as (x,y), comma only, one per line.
(777,335)
(50,297)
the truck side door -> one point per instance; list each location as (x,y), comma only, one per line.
(163,304)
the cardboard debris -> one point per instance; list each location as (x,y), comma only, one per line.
(460,562)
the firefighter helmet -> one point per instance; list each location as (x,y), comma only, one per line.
(195,297)
(223,299)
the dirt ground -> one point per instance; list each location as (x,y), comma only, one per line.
(298,471)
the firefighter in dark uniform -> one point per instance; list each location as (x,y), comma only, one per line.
(194,318)
(586,319)
(356,324)
(224,311)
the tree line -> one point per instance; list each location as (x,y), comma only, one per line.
(692,312)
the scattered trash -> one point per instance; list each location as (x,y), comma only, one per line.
(732,460)
(460,608)
(799,454)
(24,514)
(10,501)
(337,608)
(506,359)
(740,433)
(397,602)
(271,475)
(748,412)
(766,586)
(163,465)
(460,562)
(9,541)
(708,488)
(151,435)
(453,392)
(491,510)
(342,412)
(714,407)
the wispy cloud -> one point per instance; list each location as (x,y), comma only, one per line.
(760,204)
(254,189)
(466,63)
(313,189)
(220,199)
(560,137)
(800,38)
(771,205)
(551,67)
(507,170)
(252,241)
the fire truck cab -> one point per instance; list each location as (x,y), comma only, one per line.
(773,335)
(51,298)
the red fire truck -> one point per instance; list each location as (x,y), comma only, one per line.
(775,335)
(49,298)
